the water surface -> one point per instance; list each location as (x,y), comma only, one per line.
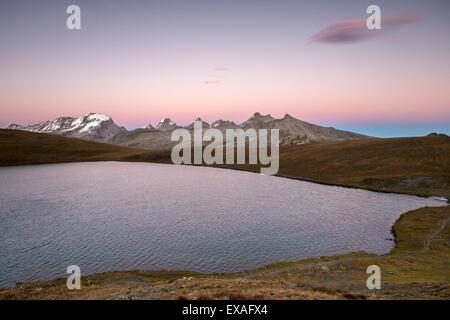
(112,216)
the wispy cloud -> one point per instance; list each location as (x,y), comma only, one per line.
(217,73)
(348,31)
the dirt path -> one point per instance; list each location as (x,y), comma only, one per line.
(331,262)
(431,236)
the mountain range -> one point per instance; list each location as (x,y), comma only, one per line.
(100,127)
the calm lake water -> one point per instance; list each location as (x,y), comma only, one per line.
(112,216)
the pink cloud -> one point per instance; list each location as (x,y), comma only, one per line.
(348,31)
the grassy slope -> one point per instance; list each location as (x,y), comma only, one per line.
(387,164)
(407,165)
(22,148)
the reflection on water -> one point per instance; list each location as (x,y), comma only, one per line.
(110,216)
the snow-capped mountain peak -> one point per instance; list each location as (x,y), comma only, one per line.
(204,123)
(223,124)
(147,126)
(166,124)
(97,117)
(92,125)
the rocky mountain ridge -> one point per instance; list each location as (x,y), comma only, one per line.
(100,127)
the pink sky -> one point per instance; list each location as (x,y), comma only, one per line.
(188,61)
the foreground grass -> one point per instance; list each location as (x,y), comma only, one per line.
(418,268)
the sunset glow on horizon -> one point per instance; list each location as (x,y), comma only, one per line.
(141,61)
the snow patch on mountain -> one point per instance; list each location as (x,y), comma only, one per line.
(166,124)
(92,125)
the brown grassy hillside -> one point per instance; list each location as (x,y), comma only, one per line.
(413,165)
(418,165)
(23,147)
